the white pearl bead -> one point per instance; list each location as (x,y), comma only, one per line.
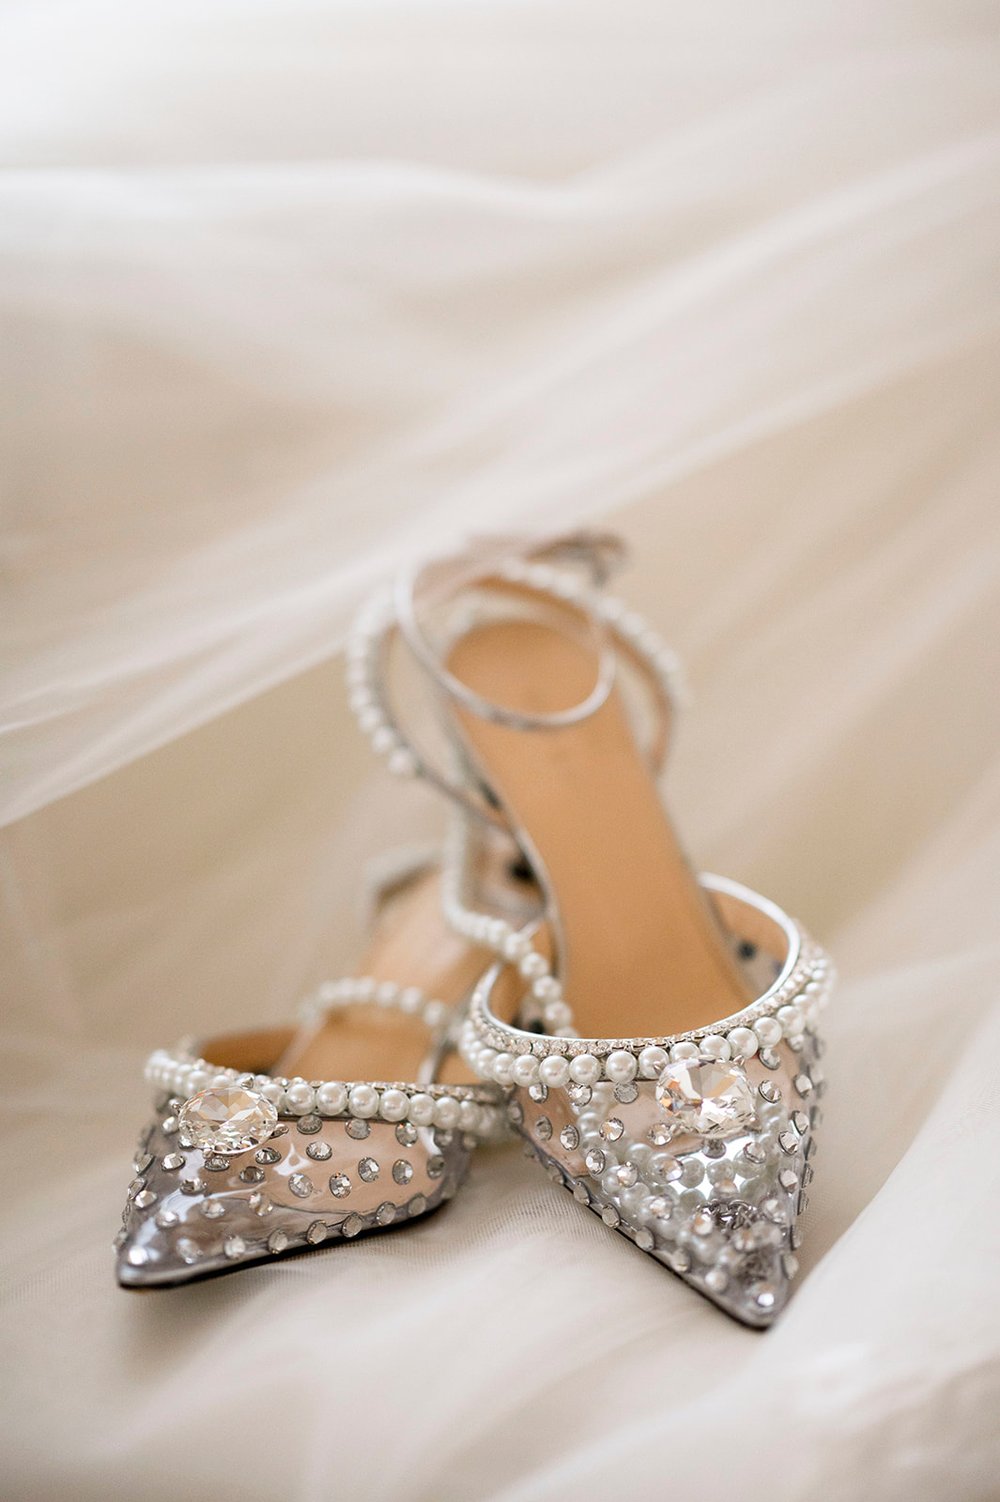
(715,1046)
(483,1063)
(557,1014)
(386,993)
(363,1100)
(300,1098)
(516,946)
(652,1061)
(620,1066)
(446,1112)
(198,1080)
(331,1099)
(503,1066)
(547,988)
(743,1042)
(394,1105)
(469,1116)
(273,1093)
(435,1013)
(768,1031)
(411,1000)
(525,1070)
(403,763)
(421,1109)
(684,1051)
(585,1069)
(792,1021)
(554,1071)
(383,740)
(532,965)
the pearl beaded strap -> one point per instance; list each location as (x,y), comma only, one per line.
(508,1055)
(378,620)
(470,1108)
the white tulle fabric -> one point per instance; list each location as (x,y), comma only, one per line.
(291,292)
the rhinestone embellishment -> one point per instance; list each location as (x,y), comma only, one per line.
(229,1120)
(706,1096)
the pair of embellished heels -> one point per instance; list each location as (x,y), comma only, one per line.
(558,971)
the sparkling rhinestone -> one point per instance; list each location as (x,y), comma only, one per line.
(315,1233)
(803,1084)
(610,1216)
(137,1256)
(580,1194)
(215,1164)
(644,1240)
(145,1198)
(706,1096)
(352,1226)
(788,1179)
(769,1058)
(259,1203)
(626,1175)
(172,1162)
(612,1129)
(187,1250)
(754,1153)
(192,1186)
(142,1162)
(402,1171)
(234,1246)
(626,1094)
(808,1174)
(417,1206)
(569,1137)
(680,1261)
(790,1263)
(800,1121)
(795,1238)
(309,1126)
(515,1112)
(543,1129)
(660,1133)
(301,1185)
(788,1142)
(319,1151)
(340,1185)
(595,1161)
(714,1148)
(435,1167)
(769,1092)
(169,1125)
(167,1218)
(539,1092)
(368,1170)
(271,1155)
(659,1207)
(703,1223)
(212,1209)
(386,1213)
(357,1128)
(228,1120)
(764,1295)
(252,1175)
(277,1241)
(580,1095)
(406,1134)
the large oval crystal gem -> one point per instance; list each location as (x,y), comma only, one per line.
(228,1120)
(706,1097)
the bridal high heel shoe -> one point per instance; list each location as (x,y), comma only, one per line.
(654,1032)
(355,1121)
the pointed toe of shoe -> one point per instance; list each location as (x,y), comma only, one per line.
(189,1214)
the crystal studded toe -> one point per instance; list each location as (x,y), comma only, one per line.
(698,1146)
(239,1166)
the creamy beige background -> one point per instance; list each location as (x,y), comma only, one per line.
(287,293)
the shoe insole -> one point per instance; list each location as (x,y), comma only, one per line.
(642,949)
(413,946)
